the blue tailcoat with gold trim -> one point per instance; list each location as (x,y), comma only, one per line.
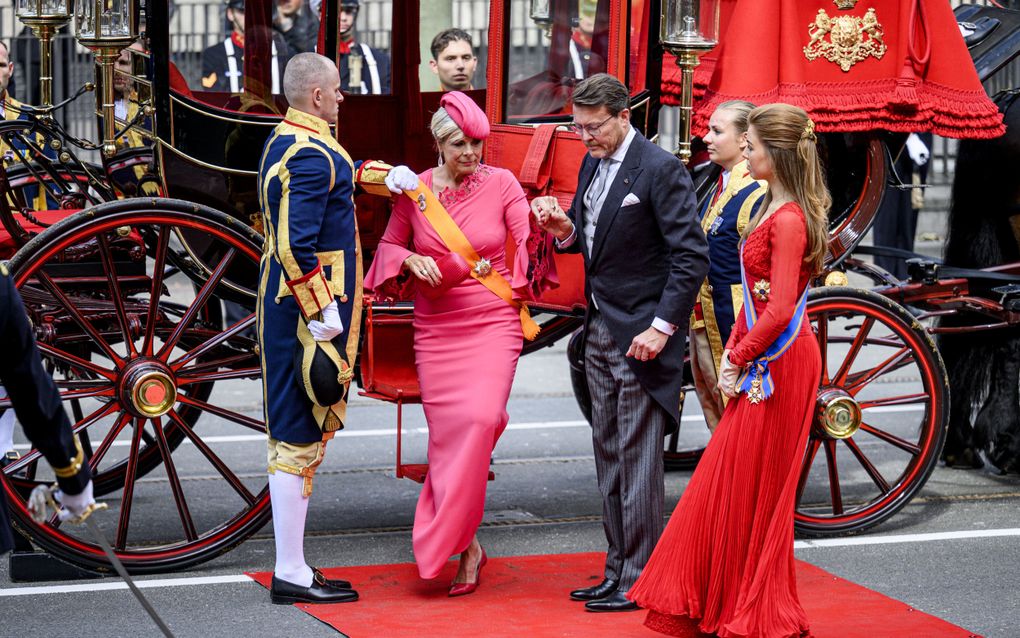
(311,256)
(723,219)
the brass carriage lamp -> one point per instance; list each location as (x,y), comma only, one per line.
(541,15)
(45,18)
(688,29)
(106,27)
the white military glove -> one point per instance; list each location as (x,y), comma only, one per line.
(329,327)
(917,150)
(74,505)
(400,179)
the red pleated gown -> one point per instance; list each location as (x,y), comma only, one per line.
(724,564)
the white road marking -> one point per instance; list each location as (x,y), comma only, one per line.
(241,578)
(391,431)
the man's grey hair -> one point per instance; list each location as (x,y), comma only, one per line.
(443,127)
(602,89)
(304,73)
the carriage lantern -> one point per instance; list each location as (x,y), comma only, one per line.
(107,27)
(688,30)
(45,18)
(541,15)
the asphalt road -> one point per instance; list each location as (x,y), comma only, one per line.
(544,500)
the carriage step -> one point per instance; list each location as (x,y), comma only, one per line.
(38,566)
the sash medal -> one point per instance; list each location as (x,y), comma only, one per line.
(756,380)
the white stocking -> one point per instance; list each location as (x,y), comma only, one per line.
(289,511)
(6,426)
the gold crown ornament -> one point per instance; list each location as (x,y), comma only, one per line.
(844,5)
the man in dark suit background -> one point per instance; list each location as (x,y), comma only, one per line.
(634,220)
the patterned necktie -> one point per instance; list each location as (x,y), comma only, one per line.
(598,185)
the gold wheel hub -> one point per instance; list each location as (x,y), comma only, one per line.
(838,414)
(152,393)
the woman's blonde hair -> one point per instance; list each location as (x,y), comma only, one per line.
(787,136)
(443,127)
(740,110)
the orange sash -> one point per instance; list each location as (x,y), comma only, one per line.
(457,242)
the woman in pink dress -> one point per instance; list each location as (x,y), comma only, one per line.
(724,566)
(467,339)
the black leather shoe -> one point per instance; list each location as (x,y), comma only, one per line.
(601,590)
(283,593)
(616,601)
(320,578)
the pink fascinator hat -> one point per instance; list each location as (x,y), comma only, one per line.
(466,114)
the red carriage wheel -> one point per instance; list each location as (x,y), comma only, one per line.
(125,298)
(882,413)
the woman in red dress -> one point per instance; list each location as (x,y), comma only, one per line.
(725,565)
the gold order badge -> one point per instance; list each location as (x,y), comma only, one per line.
(845,40)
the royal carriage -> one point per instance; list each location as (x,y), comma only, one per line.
(139,271)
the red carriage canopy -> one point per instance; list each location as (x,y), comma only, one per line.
(854,65)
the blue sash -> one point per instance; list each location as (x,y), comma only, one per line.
(756,380)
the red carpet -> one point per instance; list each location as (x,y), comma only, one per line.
(526,596)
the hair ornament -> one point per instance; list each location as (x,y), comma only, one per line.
(809,131)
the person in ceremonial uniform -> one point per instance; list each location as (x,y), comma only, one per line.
(36,401)
(364,70)
(126,107)
(634,219)
(12,109)
(453,60)
(223,63)
(308,310)
(583,62)
(724,216)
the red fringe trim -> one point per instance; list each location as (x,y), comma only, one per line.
(865,106)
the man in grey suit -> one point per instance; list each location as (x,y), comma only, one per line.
(634,220)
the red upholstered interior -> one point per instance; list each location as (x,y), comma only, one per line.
(48,217)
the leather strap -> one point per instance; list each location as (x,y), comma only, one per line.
(532,177)
(457,242)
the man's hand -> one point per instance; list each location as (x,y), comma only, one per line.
(728,374)
(551,218)
(74,505)
(400,179)
(647,345)
(329,327)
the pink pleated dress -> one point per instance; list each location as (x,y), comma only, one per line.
(466,346)
(724,565)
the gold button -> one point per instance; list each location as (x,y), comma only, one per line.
(710,287)
(343,298)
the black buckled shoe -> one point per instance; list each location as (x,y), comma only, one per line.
(601,590)
(283,593)
(332,582)
(616,601)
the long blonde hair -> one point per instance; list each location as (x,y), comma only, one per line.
(787,135)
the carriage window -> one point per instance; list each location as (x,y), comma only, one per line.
(552,46)
(364,42)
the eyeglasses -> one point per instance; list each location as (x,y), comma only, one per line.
(590,129)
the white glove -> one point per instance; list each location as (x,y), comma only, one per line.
(400,179)
(917,150)
(330,325)
(74,505)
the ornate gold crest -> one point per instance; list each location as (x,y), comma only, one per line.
(761,289)
(844,4)
(845,40)
(755,394)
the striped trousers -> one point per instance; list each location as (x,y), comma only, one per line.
(627,430)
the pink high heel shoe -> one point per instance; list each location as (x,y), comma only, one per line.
(463,589)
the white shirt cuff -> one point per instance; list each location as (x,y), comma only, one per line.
(663,326)
(566,243)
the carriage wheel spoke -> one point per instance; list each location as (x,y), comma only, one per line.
(834,490)
(53,353)
(805,470)
(200,300)
(905,399)
(78,317)
(215,460)
(26,459)
(855,348)
(229,415)
(823,344)
(89,391)
(868,466)
(901,358)
(891,439)
(118,300)
(158,272)
(214,366)
(240,373)
(83,437)
(128,496)
(203,348)
(175,482)
(107,441)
